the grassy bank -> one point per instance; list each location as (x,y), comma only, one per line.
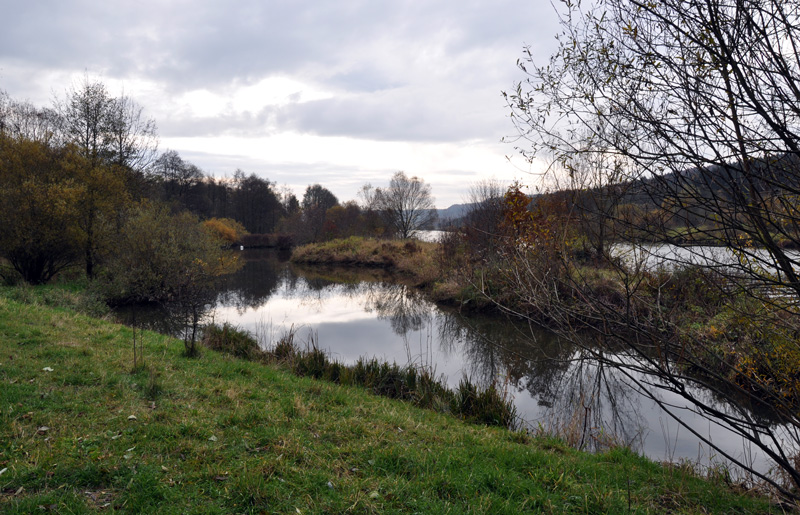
(420,264)
(81,432)
(414,260)
(410,383)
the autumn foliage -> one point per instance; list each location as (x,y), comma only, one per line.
(40,233)
(225,229)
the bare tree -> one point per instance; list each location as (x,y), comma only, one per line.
(114,139)
(177,175)
(4,108)
(598,181)
(699,103)
(132,139)
(85,114)
(407,204)
(484,217)
(24,120)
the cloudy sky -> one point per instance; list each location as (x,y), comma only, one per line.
(338,92)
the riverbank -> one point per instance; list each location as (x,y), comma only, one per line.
(701,311)
(81,432)
(414,260)
(420,264)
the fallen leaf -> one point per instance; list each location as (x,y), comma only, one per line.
(132,417)
(42,430)
(47,369)
(213,438)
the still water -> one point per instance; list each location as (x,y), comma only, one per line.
(554,385)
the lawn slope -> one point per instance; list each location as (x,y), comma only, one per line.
(81,432)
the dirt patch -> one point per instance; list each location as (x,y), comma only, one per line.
(99,499)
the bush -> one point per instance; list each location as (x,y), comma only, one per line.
(230,340)
(225,229)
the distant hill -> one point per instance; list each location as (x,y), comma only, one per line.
(454,212)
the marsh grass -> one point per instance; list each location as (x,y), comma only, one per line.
(219,434)
(409,383)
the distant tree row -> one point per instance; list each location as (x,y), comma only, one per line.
(72,176)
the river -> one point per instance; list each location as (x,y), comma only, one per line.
(555,386)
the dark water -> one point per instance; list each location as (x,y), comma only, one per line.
(554,385)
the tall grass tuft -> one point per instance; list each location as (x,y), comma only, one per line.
(285,349)
(489,407)
(409,383)
(230,340)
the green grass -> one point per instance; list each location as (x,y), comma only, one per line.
(218,434)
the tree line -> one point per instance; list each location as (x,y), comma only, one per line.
(76,174)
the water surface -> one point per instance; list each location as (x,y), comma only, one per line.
(554,385)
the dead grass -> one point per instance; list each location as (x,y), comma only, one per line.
(416,260)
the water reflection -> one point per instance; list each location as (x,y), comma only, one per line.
(555,385)
(257,280)
(404,308)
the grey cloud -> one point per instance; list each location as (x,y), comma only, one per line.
(250,124)
(194,43)
(403,116)
(401,70)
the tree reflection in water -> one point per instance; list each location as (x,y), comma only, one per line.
(584,401)
(256,282)
(404,308)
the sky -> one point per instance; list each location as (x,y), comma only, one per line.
(340,93)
